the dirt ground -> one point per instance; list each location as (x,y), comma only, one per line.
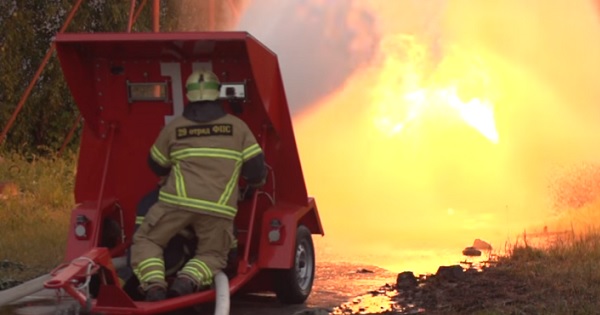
(455,289)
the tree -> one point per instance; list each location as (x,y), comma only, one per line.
(26,30)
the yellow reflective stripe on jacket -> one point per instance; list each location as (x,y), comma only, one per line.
(197,204)
(251,152)
(179,183)
(231,184)
(206,152)
(158,156)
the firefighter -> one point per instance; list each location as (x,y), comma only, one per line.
(202,154)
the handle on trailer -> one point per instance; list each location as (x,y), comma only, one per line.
(244,265)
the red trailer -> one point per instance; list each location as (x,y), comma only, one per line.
(127,87)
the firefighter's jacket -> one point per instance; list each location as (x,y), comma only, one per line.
(204,159)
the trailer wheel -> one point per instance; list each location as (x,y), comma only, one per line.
(293,286)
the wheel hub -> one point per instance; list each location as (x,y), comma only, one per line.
(304,266)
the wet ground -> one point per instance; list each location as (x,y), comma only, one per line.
(335,284)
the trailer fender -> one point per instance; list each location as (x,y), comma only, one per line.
(278,234)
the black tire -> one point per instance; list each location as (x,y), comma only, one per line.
(293,286)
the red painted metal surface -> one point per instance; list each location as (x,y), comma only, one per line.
(280,255)
(112,174)
(235,285)
(234,54)
(81,268)
(245,263)
(77,247)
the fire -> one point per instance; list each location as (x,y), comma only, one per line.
(411,85)
(449,131)
(405,149)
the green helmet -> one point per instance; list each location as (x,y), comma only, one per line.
(202,85)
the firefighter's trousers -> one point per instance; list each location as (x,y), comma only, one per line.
(163,221)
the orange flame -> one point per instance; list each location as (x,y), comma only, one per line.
(395,157)
(411,85)
(453,131)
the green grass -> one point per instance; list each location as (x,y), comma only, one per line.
(562,277)
(34,224)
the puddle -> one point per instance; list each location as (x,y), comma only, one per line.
(386,300)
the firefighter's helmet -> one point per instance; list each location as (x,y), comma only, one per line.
(202,85)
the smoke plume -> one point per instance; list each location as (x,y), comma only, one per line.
(319,43)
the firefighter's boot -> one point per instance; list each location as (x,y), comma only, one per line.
(182,286)
(156,293)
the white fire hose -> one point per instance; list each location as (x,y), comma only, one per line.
(25,289)
(36,285)
(222,302)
